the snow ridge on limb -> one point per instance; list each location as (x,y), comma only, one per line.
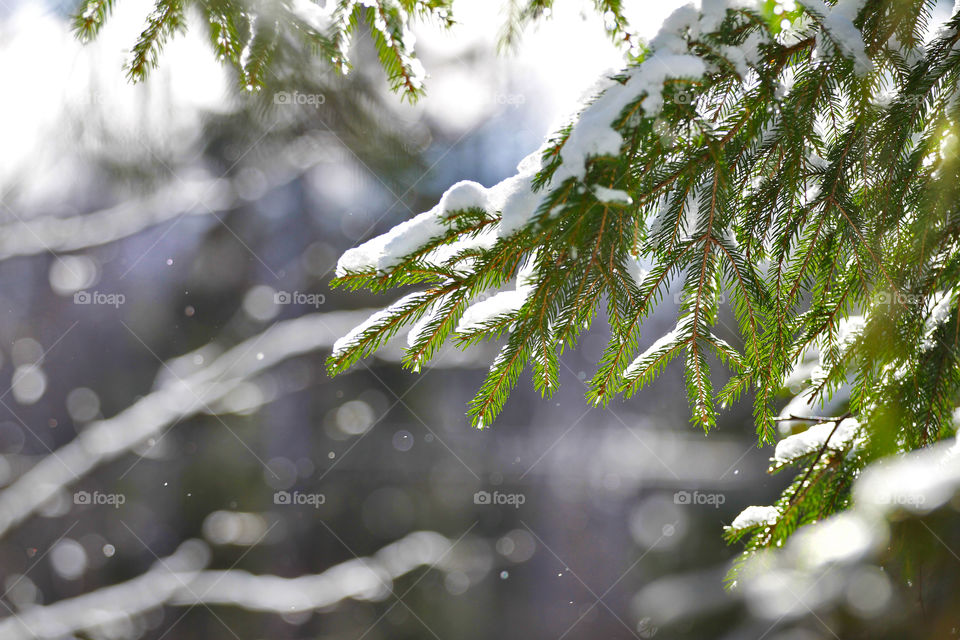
(182,579)
(475,239)
(175,398)
(755,516)
(826,434)
(593,134)
(838,23)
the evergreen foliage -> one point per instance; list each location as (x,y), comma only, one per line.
(808,176)
(792,168)
(249,35)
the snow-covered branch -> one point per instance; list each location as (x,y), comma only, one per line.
(831,554)
(360,578)
(181,581)
(184,196)
(178,396)
(114,605)
(31,236)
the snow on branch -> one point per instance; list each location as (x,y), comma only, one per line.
(176,398)
(755,515)
(360,579)
(837,21)
(111,606)
(31,236)
(319,18)
(182,197)
(890,491)
(515,201)
(836,435)
(180,580)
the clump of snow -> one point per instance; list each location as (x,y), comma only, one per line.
(348,341)
(842,538)
(754,515)
(506,302)
(517,202)
(941,308)
(636,271)
(465,194)
(919,481)
(612,196)
(849,329)
(814,438)
(594,135)
(418,327)
(738,58)
(838,22)
(317,17)
(387,250)
(500,304)
(513,198)
(634,369)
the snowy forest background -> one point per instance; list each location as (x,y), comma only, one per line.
(148,230)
